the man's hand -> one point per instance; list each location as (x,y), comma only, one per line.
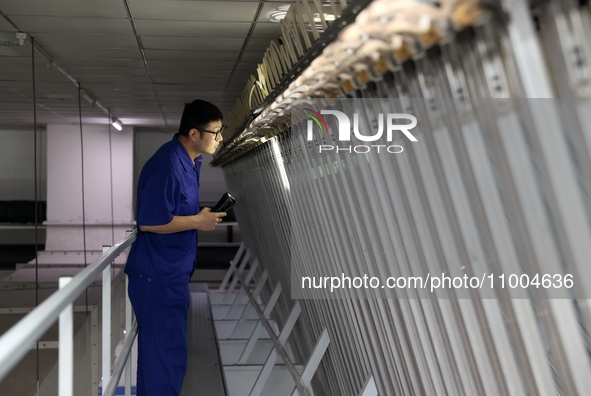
(207,220)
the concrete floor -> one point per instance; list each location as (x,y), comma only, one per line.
(5,273)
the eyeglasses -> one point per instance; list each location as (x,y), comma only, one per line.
(217,134)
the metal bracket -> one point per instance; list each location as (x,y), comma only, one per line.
(272,358)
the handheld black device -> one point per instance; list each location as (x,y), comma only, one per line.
(225,203)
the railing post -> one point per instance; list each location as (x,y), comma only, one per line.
(66,346)
(106,320)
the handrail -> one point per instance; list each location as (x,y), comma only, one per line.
(120,363)
(16,342)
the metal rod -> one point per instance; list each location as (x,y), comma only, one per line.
(36,194)
(272,358)
(121,362)
(106,323)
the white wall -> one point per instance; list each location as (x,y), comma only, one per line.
(212,183)
(64,173)
(17,159)
(108,177)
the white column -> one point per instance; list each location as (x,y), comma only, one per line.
(108,166)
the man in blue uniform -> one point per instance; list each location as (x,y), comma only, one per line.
(162,259)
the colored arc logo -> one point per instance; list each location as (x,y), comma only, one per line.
(318,119)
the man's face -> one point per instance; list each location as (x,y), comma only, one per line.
(208,143)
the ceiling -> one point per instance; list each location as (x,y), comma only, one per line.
(140,59)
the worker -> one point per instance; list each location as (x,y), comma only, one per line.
(162,258)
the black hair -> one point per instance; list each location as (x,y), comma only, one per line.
(198,114)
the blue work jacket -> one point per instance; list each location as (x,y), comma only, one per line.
(168,186)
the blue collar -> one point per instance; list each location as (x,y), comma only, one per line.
(184,157)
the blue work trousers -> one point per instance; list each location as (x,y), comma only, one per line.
(161,313)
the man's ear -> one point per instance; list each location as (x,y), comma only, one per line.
(193,133)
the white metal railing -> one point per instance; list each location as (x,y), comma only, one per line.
(16,342)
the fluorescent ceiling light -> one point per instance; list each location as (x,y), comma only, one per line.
(117,124)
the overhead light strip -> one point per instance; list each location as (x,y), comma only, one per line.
(116,124)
